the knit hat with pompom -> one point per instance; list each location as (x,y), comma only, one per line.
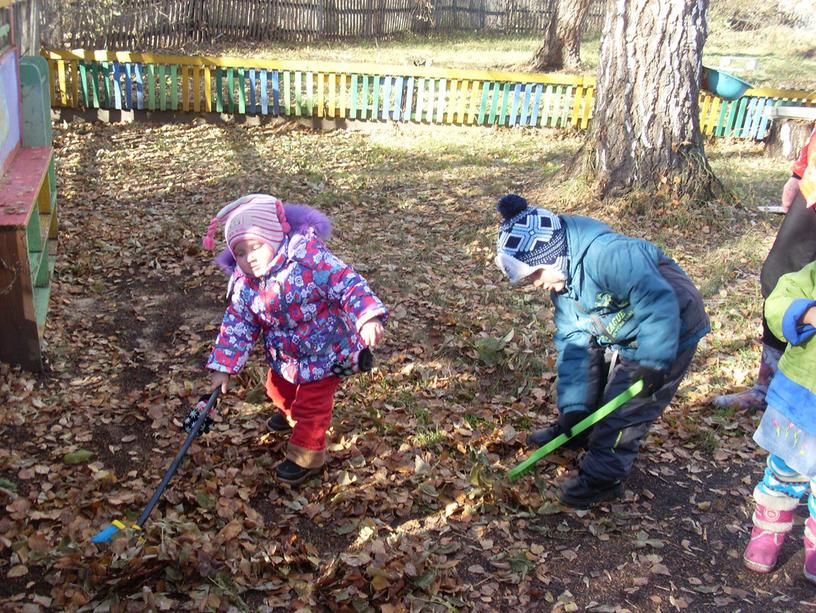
(529,239)
(257,216)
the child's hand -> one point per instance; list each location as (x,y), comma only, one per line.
(371,332)
(810,317)
(219,379)
(192,417)
(789,191)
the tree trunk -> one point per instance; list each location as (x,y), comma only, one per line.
(562,40)
(645,130)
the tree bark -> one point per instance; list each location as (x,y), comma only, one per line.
(645,130)
(562,40)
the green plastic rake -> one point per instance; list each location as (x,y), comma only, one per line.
(632,391)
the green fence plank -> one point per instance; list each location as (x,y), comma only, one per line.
(95,86)
(719,127)
(733,107)
(494,103)
(106,76)
(298,94)
(219,91)
(162,88)
(503,114)
(174,97)
(230,90)
(151,87)
(364,96)
(310,95)
(483,105)
(83,81)
(241,92)
(737,127)
(287,92)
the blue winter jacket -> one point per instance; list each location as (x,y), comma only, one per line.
(623,293)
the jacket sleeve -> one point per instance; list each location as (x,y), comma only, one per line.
(628,269)
(787,304)
(239,331)
(579,361)
(345,285)
(798,167)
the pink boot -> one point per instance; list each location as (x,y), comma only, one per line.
(810,549)
(773,519)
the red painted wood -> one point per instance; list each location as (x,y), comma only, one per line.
(21,184)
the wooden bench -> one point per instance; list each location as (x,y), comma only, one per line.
(28,241)
(28,209)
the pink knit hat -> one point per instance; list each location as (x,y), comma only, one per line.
(258,216)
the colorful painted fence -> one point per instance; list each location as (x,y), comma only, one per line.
(148,82)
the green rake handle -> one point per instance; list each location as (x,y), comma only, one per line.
(632,391)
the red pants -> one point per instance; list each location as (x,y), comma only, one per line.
(308,408)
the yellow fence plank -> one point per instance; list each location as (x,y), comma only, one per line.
(185,88)
(63,97)
(197,89)
(75,83)
(208,102)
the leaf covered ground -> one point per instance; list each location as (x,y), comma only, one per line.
(414,511)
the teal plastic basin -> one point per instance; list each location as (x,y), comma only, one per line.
(723,84)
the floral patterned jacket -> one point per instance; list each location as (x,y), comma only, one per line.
(308,310)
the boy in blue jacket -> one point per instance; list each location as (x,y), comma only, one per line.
(624,311)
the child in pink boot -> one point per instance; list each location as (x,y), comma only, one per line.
(788,427)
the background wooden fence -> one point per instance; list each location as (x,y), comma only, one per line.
(170,24)
(150,82)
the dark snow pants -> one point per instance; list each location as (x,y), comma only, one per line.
(614,442)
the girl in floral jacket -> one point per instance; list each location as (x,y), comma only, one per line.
(314,314)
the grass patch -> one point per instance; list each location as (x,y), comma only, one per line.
(425,439)
(785,57)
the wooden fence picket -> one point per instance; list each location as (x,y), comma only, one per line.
(135,81)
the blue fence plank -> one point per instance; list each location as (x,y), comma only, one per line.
(398,98)
(264,93)
(409,99)
(253,82)
(275,93)
(764,121)
(525,106)
(386,96)
(536,103)
(137,71)
(514,105)
(128,67)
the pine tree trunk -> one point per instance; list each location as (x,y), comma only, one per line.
(645,130)
(562,40)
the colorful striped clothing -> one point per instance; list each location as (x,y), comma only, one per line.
(308,310)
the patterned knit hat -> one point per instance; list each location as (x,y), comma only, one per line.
(257,216)
(529,239)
